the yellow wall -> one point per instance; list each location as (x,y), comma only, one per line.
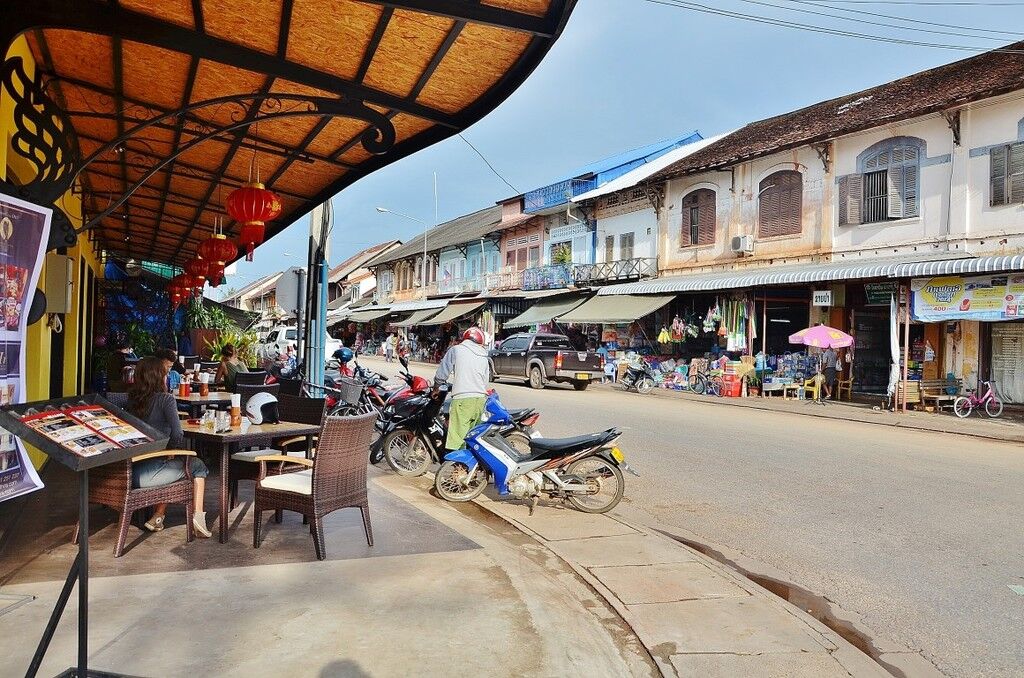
(40,335)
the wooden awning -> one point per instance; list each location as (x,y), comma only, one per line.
(171,103)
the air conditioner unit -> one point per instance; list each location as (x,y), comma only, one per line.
(743,244)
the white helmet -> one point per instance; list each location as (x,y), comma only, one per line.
(262,409)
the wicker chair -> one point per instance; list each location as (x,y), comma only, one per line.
(255,378)
(189,362)
(335,479)
(111,485)
(243,465)
(208,365)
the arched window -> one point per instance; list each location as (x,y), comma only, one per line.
(780,205)
(888,183)
(698,226)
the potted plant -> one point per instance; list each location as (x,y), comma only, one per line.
(204,325)
(753,385)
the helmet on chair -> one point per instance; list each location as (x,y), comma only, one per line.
(262,409)
(474,334)
(343,355)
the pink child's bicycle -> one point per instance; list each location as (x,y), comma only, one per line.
(964,405)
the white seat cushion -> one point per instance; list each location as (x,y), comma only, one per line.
(250,455)
(300,482)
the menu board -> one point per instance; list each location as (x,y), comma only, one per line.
(86,430)
(24,233)
(985,298)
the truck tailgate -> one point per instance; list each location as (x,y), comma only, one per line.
(580,361)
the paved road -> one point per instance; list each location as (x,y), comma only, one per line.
(917,534)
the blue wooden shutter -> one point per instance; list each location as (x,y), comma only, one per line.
(895,190)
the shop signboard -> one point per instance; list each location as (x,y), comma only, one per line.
(879,294)
(821,298)
(24,233)
(984,298)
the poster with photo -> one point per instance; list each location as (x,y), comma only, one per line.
(24,233)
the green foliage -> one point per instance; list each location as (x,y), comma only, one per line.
(139,339)
(244,343)
(199,316)
(562,255)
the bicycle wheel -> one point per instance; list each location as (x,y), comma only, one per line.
(697,383)
(963,406)
(715,386)
(993,407)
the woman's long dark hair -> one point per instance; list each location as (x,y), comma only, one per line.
(150,379)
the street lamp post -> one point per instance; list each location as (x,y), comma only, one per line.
(423,268)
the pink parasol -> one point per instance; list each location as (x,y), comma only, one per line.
(822,336)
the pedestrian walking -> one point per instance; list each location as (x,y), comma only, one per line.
(467,366)
(389,347)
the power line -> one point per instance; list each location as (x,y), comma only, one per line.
(771,21)
(864,21)
(486,162)
(817,3)
(929,4)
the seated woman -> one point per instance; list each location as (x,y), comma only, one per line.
(229,366)
(149,400)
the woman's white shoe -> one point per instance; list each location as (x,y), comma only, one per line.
(199,523)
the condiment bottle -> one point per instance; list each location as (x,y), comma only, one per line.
(236,410)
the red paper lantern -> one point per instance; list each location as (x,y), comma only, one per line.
(252,206)
(216,274)
(217,250)
(197,268)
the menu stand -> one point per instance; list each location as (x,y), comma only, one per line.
(11,419)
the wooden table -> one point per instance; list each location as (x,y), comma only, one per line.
(256,435)
(197,402)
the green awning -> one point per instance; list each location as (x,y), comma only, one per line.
(369,314)
(544,311)
(453,312)
(417,317)
(618,308)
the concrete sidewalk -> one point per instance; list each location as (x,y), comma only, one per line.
(480,589)
(695,616)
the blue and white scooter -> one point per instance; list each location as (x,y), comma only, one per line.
(584,470)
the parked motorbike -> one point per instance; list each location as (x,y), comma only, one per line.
(639,377)
(585,470)
(414,426)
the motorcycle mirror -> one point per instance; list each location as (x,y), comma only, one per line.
(404,361)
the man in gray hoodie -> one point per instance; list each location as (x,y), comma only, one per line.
(467,366)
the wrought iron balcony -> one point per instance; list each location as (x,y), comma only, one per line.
(615,271)
(559,276)
(556,194)
(507,280)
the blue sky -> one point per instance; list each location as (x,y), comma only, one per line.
(629,72)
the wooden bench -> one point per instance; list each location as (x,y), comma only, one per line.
(913,393)
(934,391)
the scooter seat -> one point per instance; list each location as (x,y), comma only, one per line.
(573,444)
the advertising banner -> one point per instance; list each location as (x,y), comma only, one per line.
(24,232)
(985,298)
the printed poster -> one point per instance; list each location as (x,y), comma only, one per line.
(24,233)
(984,298)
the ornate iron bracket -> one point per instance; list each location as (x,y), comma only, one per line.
(824,152)
(953,121)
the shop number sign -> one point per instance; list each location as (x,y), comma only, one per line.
(822,298)
(990,297)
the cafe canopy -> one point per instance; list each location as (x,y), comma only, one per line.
(154,112)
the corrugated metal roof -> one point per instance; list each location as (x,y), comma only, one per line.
(990,264)
(467,228)
(793,275)
(635,176)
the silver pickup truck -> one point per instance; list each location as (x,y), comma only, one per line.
(542,358)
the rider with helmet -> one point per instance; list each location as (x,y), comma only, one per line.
(344,356)
(467,365)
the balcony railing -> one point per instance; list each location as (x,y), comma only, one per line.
(615,271)
(508,280)
(559,276)
(556,194)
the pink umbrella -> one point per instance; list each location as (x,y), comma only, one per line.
(822,336)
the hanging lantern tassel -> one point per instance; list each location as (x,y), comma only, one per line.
(217,251)
(252,206)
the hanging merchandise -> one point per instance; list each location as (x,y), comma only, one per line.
(678,329)
(664,337)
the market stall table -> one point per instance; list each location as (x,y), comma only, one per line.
(256,435)
(197,402)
